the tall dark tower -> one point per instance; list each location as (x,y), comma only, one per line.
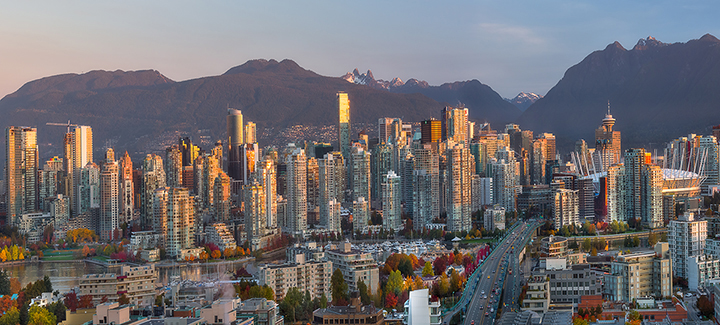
(235,141)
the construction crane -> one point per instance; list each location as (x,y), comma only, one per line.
(63,124)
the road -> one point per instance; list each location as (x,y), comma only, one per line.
(487,284)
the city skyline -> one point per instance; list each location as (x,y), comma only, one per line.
(512,47)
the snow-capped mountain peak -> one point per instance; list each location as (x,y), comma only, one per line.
(368,79)
(523,100)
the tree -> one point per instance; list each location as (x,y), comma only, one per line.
(652,239)
(4,283)
(123,300)
(323,301)
(48,284)
(579,321)
(364,296)
(24,313)
(636,241)
(71,301)
(41,316)
(391,300)
(428,269)
(705,306)
(57,309)
(395,283)
(455,281)
(86,251)
(85,302)
(593,252)
(338,288)
(215,254)
(443,286)
(587,245)
(11,317)
(405,267)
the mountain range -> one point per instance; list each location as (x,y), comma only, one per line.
(656,91)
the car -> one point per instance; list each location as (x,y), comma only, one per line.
(487,314)
(473,322)
(488,276)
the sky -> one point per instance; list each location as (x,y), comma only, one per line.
(512,46)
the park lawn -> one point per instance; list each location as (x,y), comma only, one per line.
(65,257)
(59,255)
(100,258)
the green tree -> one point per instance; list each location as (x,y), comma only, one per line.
(47,284)
(634,315)
(24,313)
(395,283)
(323,301)
(652,239)
(428,269)
(364,296)
(57,309)
(339,288)
(587,244)
(4,283)
(636,241)
(11,317)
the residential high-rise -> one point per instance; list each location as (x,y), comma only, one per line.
(313,188)
(360,174)
(344,123)
(190,152)
(426,185)
(255,214)
(431,131)
(109,195)
(127,188)
(78,153)
(361,214)
(296,192)
(455,123)
(266,176)
(173,166)
(384,129)
(235,141)
(250,132)
(221,198)
(153,177)
(494,218)
(607,142)
(174,218)
(250,154)
(459,187)
(355,266)
(21,169)
(88,188)
(504,183)
(383,159)
(635,190)
(328,193)
(565,208)
(391,199)
(686,236)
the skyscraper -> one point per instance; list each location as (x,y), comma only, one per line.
(360,174)
(21,169)
(361,214)
(296,192)
(174,218)
(235,141)
(173,166)
(109,195)
(127,188)
(255,220)
(504,183)
(250,132)
(153,177)
(344,123)
(455,123)
(327,194)
(391,199)
(459,187)
(88,189)
(426,185)
(635,190)
(221,197)
(431,131)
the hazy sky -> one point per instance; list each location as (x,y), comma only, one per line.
(512,46)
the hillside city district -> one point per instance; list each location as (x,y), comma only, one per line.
(445,221)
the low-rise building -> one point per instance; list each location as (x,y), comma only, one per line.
(355,313)
(313,276)
(640,274)
(144,240)
(355,266)
(218,234)
(137,283)
(44,299)
(567,284)
(220,312)
(261,311)
(701,269)
(553,246)
(494,218)
(537,296)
